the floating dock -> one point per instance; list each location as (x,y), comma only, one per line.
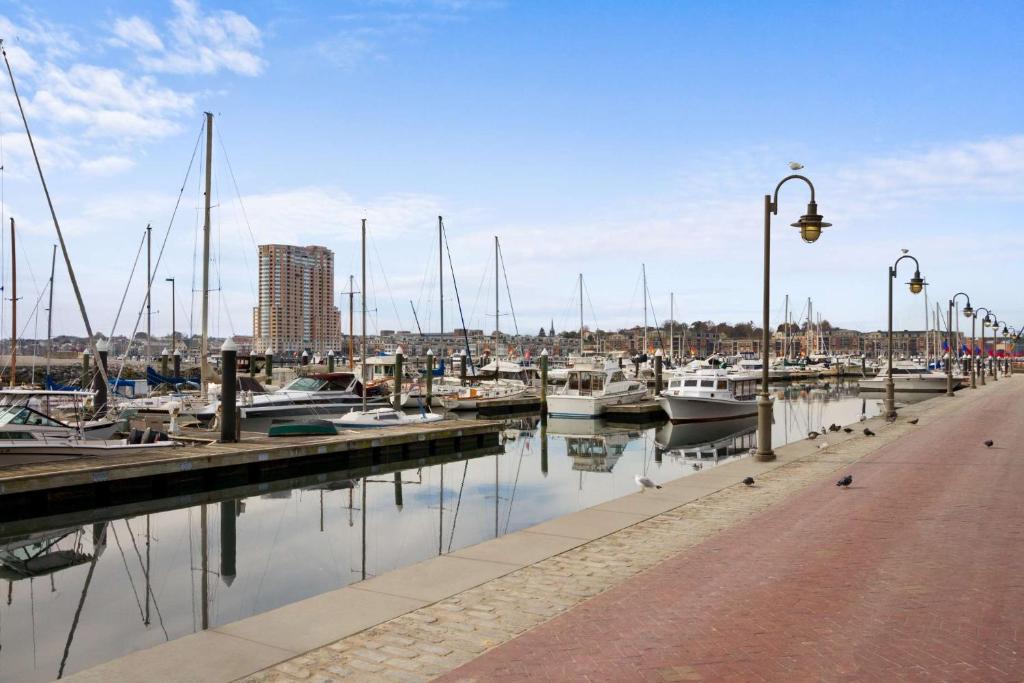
(54,487)
(643,412)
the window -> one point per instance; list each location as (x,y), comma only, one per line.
(721,384)
(690,383)
(709,383)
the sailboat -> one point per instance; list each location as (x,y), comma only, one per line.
(377,417)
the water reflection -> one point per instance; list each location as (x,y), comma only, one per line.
(88,586)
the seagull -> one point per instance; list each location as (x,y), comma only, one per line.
(795,165)
(645,483)
(863,417)
(845,481)
(834,427)
(749,481)
(905,251)
(988,444)
(848,430)
(913,421)
(823,444)
(697,466)
(868,432)
(812,435)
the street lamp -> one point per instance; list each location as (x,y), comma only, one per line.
(985,322)
(949,333)
(174,344)
(810,225)
(916,284)
(970,313)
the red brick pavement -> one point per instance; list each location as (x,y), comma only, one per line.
(914,573)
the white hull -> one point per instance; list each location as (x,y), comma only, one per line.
(923,383)
(480,401)
(382,417)
(590,406)
(694,409)
(19,451)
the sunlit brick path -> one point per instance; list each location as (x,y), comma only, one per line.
(914,573)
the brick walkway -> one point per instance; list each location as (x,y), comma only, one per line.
(916,572)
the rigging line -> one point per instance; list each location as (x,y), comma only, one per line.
(480,289)
(131,276)
(586,291)
(508,290)
(427,277)
(192,569)
(245,214)
(654,315)
(458,299)
(24,327)
(131,581)
(163,246)
(387,284)
(142,566)
(458,503)
(515,484)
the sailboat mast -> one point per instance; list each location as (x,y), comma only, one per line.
(362,351)
(581,314)
(14,309)
(671,322)
(149,285)
(785,338)
(351,322)
(497,325)
(643,267)
(49,313)
(204,344)
(440,267)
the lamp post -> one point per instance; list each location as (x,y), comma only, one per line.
(968,312)
(174,344)
(810,225)
(985,322)
(916,284)
(995,359)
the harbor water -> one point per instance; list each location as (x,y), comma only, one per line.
(78,592)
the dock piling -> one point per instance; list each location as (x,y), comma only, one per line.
(430,377)
(657,371)
(544,382)
(399,356)
(85,369)
(330,361)
(228,387)
(177,362)
(462,369)
(163,362)
(268,365)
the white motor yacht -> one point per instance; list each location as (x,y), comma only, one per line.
(909,376)
(712,394)
(587,392)
(31,410)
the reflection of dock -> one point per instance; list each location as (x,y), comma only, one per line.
(30,490)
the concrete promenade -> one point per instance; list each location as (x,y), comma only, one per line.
(913,572)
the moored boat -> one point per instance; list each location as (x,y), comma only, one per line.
(711,394)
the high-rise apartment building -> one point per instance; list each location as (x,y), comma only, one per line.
(296,309)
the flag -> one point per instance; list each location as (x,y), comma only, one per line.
(945,345)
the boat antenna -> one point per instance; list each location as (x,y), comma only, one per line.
(56,224)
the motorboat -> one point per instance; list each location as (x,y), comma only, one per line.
(37,447)
(383,417)
(34,411)
(710,394)
(474,398)
(910,377)
(328,393)
(587,392)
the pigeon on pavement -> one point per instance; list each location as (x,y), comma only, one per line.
(749,481)
(988,444)
(868,432)
(848,430)
(812,435)
(912,421)
(845,481)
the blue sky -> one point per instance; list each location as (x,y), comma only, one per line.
(591,137)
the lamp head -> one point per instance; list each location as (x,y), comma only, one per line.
(916,283)
(986,321)
(1005,331)
(968,311)
(811,224)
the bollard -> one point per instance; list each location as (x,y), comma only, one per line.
(268,365)
(658,454)
(864,366)
(85,369)
(98,384)
(398,491)
(462,369)
(544,382)
(657,372)
(177,363)
(397,400)
(430,377)
(330,361)
(163,362)
(228,362)
(304,358)
(228,540)
(252,362)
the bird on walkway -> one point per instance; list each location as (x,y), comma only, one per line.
(812,435)
(749,481)
(863,417)
(845,481)
(988,444)
(834,427)
(795,165)
(868,432)
(890,418)
(848,430)
(913,421)
(823,444)
(645,483)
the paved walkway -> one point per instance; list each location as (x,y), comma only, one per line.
(914,573)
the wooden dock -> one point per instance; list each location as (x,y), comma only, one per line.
(508,406)
(643,412)
(46,488)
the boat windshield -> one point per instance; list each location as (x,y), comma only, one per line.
(22,415)
(305,384)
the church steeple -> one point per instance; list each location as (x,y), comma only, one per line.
(551,332)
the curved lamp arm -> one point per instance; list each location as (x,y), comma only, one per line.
(775,195)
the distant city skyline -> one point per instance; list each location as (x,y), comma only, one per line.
(590,141)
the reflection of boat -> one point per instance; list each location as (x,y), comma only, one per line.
(712,394)
(710,440)
(593,445)
(37,554)
(908,376)
(588,392)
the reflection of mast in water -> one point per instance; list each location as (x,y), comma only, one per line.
(99,541)
(204,578)
(362,516)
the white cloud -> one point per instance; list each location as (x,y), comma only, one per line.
(200,43)
(136,32)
